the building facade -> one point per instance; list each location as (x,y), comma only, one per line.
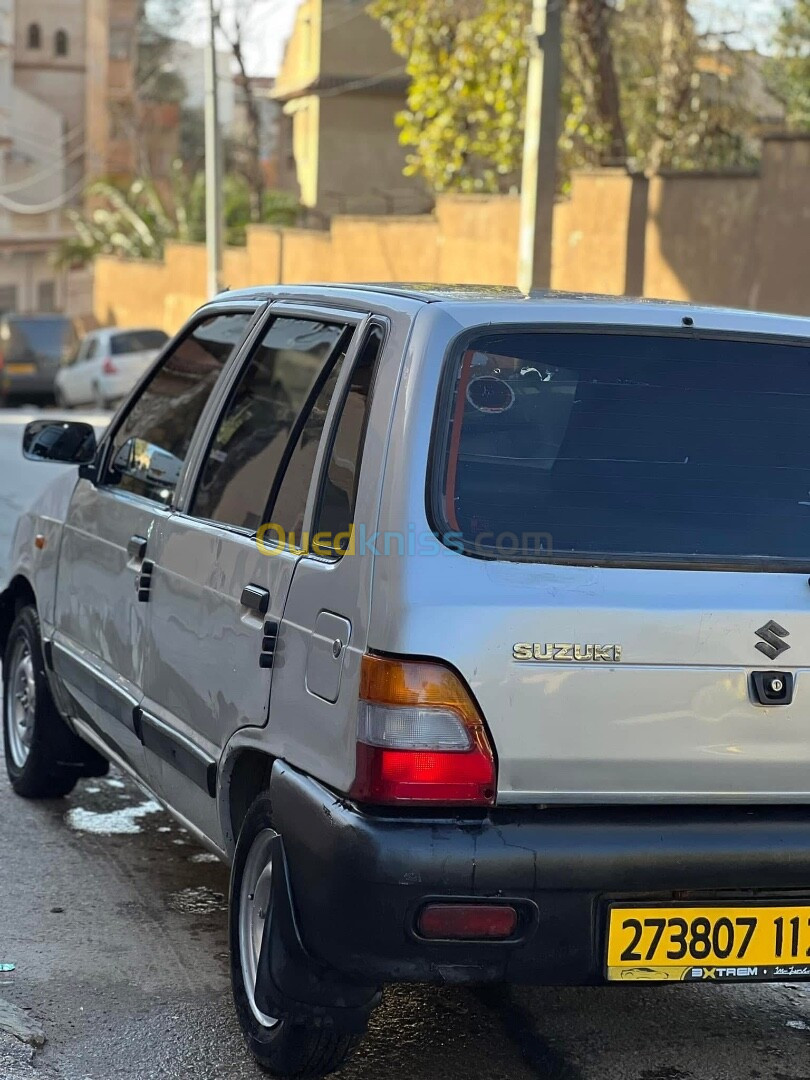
(341,86)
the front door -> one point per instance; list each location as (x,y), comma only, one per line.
(103,586)
(220,581)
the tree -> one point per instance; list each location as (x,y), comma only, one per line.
(631,94)
(467,60)
(789,71)
(137,220)
(591,63)
(236,32)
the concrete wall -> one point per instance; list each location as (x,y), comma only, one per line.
(739,240)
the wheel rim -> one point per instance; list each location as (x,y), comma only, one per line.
(21,703)
(254,901)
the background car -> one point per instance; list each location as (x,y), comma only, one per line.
(106,366)
(31,350)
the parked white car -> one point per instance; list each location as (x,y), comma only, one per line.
(106,366)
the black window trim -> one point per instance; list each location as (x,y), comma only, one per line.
(378,322)
(351,320)
(101,467)
(440,434)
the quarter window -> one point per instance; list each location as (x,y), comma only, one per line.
(290,501)
(335,512)
(151,444)
(250,445)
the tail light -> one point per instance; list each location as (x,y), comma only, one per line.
(421,738)
(108,367)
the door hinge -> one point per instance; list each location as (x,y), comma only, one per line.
(143,582)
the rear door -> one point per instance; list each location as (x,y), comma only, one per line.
(104,566)
(223,565)
(628,591)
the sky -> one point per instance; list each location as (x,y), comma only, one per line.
(270,22)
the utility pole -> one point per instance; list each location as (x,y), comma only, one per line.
(213,160)
(539,186)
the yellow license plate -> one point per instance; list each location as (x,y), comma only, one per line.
(694,943)
(21,369)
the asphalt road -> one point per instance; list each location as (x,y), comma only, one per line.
(114,921)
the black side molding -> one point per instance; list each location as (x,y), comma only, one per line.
(256,598)
(178,753)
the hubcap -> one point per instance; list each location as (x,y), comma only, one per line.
(21,702)
(254,902)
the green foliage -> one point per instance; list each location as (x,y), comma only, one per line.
(468,59)
(138,220)
(788,72)
(467,62)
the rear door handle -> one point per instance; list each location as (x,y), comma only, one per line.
(136,548)
(256,598)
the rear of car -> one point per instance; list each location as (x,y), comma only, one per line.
(31,349)
(129,356)
(582,741)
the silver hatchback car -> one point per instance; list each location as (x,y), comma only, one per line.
(472,630)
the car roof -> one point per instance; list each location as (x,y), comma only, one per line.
(507,304)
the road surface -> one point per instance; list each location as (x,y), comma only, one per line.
(114,920)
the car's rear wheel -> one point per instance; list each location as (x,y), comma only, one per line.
(37,741)
(280,1046)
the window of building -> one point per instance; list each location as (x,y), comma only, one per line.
(121,42)
(46,296)
(34,36)
(60,43)
(251,444)
(8,298)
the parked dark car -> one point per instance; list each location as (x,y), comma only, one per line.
(31,349)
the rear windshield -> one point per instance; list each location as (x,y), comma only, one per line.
(137,341)
(52,339)
(624,448)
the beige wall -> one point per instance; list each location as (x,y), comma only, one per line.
(739,240)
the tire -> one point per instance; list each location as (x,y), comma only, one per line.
(281,1048)
(35,737)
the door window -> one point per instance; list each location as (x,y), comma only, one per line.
(150,447)
(91,351)
(250,445)
(334,515)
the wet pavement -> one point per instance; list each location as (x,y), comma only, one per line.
(114,921)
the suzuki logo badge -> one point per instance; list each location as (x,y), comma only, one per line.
(772,644)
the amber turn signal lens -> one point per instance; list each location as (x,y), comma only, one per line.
(421,738)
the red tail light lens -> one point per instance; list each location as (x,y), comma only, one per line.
(421,738)
(108,367)
(468,922)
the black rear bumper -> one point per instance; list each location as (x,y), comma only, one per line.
(357,881)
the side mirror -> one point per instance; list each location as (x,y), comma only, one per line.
(69,441)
